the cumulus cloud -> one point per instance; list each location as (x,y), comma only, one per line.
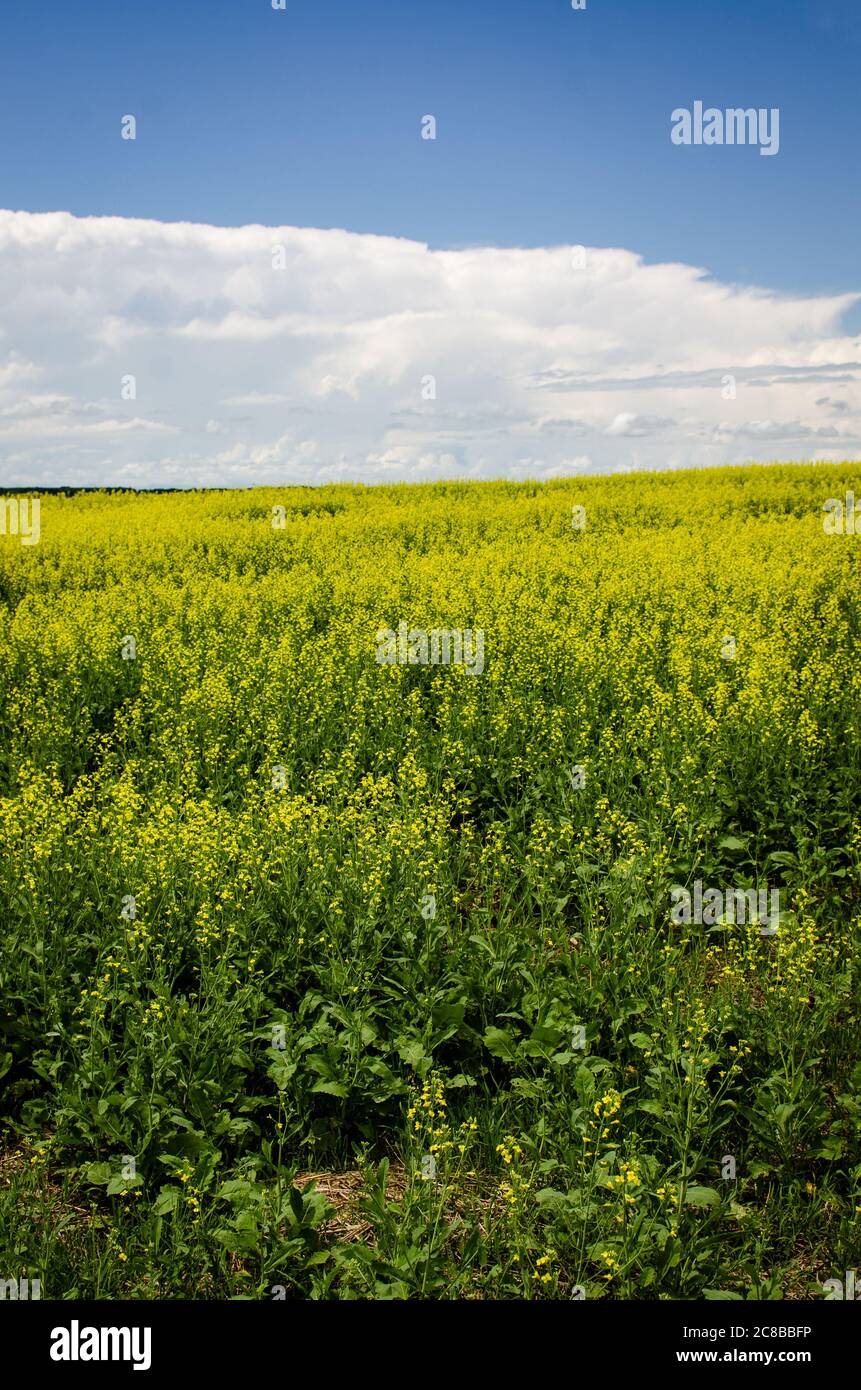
(631,425)
(836,407)
(364,358)
(779,430)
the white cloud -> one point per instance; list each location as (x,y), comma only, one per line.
(779,430)
(631,425)
(539,369)
(257,398)
(50,416)
(14,372)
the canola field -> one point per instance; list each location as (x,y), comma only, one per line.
(382,875)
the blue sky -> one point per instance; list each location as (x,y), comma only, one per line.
(446,331)
(553,124)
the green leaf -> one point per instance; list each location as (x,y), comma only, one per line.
(701,1197)
(550,1197)
(651,1107)
(331,1088)
(236,1189)
(832,1148)
(546,1036)
(281,1072)
(452,1012)
(167,1201)
(760,1169)
(584,1084)
(99,1173)
(501,1044)
(412,1052)
(121,1184)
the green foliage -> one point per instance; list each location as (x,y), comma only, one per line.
(276,1072)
